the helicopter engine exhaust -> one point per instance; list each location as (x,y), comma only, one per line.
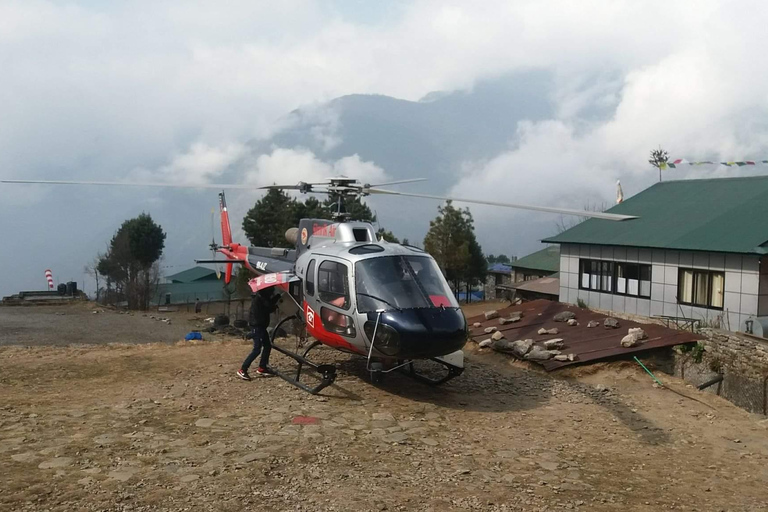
(292,235)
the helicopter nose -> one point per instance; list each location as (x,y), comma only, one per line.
(418,333)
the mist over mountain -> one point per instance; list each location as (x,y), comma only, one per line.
(430,138)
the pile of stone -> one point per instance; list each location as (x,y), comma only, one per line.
(532,351)
(633,337)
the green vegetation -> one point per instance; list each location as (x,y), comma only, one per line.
(266,223)
(130,264)
(451,241)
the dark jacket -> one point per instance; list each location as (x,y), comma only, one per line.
(261,308)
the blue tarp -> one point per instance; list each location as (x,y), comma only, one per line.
(476,296)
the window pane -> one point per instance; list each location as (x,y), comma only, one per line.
(585,280)
(700,285)
(644,272)
(685,287)
(621,278)
(717,290)
(310,278)
(333,284)
(606,276)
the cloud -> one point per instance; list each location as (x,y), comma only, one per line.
(289,166)
(169,90)
(200,164)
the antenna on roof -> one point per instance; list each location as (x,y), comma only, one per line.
(619,192)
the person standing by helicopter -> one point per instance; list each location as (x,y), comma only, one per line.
(263,303)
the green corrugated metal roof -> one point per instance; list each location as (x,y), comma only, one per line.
(547,260)
(193,274)
(721,215)
(186,293)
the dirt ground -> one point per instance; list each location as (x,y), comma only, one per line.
(168,426)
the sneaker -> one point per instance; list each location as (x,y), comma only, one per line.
(264,372)
(243,375)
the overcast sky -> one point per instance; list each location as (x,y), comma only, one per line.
(176,90)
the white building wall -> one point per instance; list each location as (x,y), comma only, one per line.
(745,287)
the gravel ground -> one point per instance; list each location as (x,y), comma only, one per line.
(163,426)
(86,323)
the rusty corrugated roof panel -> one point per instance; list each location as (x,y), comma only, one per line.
(586,344)
(547,285)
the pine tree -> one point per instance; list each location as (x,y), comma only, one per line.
(266,223)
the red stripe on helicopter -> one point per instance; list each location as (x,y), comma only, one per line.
(316,329)
(281,279)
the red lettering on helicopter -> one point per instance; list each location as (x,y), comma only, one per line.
(326,230)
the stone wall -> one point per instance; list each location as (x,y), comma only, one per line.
(747,354)
(742,361)
(493,293)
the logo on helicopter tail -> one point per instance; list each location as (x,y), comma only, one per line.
(304,236)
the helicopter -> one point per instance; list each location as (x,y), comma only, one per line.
(350,291)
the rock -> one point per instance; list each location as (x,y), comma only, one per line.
(572,322)
(611,323)
(396,437)
(490,315)
(514,317)
(497,336)
(564,316)
(429,442)
(561,357)
(538,353)
(383,416)
(544,331)
(255,456)
(633,338)
(554,344)
(122,476)
(489,330)
(205,422)
(189,478)
(477,324)
(517,348)
(571,357)
(548,465)
(593,323)
(59,462)
(485,343)
(24,457)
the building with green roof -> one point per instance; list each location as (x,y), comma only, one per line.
(189,285)
(698,249)
(502,278)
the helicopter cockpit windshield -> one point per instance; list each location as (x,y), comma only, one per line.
(401,282)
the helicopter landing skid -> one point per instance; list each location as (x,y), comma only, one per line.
(327,371)
(453,363)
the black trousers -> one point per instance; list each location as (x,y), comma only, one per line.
(261,343)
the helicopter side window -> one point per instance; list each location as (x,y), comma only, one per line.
(333,286)
(310,281)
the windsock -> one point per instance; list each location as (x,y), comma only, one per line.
(49,277)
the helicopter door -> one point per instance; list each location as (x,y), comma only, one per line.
(335,299)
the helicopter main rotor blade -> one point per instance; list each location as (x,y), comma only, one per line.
(231,186)
(563,211)
(398,182)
